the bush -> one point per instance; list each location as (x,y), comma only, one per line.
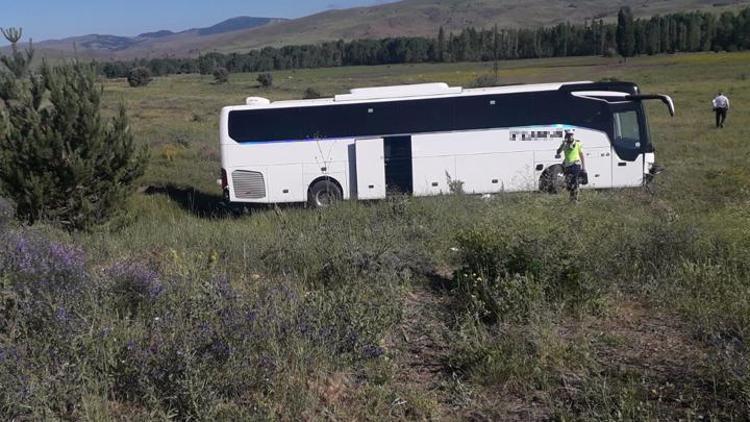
(507,298)
(311,93)
(139,76)
(221,75)
(485,81)
(60,159)
(503,275)
(265,80)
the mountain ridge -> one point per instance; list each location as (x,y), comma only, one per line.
(106,46)
(402,18)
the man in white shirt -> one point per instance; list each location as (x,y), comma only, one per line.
(721,106)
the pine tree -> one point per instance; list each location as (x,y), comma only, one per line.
(654,33)
(694,32)
(60,160)
(18,62)
(496,53)
(441,45)
(708,31)
(625,33)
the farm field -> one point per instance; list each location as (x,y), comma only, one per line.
(632,305)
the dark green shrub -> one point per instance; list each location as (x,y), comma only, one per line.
(484,81)
(139,76)
(221,75)
(311,93)
(502,275)
(265,80)
(59,158)
(510,298)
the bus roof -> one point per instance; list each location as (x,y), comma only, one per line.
(429,90)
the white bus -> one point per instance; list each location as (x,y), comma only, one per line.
(416,139)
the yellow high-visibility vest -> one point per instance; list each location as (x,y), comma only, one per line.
(572,153)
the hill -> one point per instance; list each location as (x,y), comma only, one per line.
(425,17)
(403,18)
(150,44)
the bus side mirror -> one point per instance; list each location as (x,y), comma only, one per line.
(666,99)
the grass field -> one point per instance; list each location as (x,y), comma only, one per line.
(633,305)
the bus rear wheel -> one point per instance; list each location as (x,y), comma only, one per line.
(324,193)
(552,179)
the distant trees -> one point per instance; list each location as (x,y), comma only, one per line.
(139,76)
(59,158)
(694,31)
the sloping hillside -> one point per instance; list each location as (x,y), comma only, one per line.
(425,17)
(151,44)
(403,18)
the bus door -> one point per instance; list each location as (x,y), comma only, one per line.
(399,174)
(369,168)
(629,136)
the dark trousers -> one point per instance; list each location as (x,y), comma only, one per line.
(572,179)
(721,116)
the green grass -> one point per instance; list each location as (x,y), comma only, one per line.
(632,305)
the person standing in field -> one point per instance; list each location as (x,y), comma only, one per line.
(721,107)
(573,163)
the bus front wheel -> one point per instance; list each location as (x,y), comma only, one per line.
(324,193)
(553,179)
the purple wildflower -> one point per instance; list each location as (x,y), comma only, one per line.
(221,283)
(251,316)
(372,352)
(43,263)
(61,315)
(23,255)
(220,350)
(66,258)
(134,278)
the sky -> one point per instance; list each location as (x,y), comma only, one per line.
(52,19)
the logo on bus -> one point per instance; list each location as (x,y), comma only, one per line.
(536,135)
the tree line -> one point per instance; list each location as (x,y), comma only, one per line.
(679,32)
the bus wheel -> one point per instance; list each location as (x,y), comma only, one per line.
(323,193)
(552,180)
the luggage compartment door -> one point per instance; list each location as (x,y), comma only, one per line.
(370,168)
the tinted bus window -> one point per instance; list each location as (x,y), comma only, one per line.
(419,116)
(408,117)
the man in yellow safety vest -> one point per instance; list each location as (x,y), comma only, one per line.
(573,163)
